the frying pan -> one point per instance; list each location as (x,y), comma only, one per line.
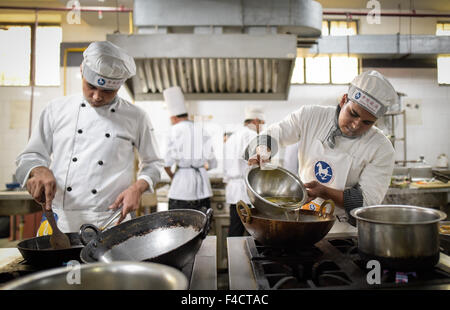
(168,237)
(38,251)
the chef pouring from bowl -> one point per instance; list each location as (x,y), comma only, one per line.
(79,160)
(342,156)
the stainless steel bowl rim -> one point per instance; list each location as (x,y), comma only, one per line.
(296,179)
(356,214)
(180,277)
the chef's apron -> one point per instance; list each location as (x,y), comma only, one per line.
(329,167)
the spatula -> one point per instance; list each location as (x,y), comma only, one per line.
(58,239)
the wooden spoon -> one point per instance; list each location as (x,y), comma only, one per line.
(58,239)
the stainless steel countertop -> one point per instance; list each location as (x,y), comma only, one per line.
(204,271)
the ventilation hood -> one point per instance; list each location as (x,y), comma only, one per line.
(218,50)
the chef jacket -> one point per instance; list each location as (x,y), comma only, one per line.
(189,146)
(91,154)
(235,165)
(370,157)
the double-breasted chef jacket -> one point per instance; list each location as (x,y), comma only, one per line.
(91,154)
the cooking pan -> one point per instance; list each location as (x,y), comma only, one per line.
(102,276)
(169,237)
(39,252)
(298,229)
(399,237)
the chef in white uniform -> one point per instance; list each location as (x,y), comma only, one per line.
(190,150)
(235,164)
(80,157)
(342,156)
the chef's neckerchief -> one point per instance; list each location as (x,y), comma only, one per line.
(335,131)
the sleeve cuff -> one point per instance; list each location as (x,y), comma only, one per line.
(27,175)
(353,198)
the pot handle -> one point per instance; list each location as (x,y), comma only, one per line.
(247,217)
(323,205)
(84,235)
(207,227)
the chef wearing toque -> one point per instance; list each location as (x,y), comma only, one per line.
(189,149)
(235,165)
(80,157)
(341,155)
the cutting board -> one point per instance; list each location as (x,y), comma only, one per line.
(434,184)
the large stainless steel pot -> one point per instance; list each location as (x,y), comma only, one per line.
(298,229)
(103,276)
(399,237)
(277,182)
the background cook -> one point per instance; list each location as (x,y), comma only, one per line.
(235,165)
(190,151)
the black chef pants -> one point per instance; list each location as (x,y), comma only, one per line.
(201,204)
(236,228)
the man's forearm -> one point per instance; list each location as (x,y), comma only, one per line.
(169,172)
(336,195)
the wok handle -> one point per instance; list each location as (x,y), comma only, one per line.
(84,239)
(207,227)
(245,218)
(111,219)
(323,205)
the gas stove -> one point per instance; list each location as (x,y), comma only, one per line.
(200,271)
(332,263)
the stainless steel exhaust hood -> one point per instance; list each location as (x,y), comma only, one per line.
(230,50)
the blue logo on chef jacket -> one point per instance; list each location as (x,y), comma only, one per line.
(323,172)
(357,95)
(101,81)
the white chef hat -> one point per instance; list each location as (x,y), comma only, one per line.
(253,112)
(373,92)
(106,65)
(175,101)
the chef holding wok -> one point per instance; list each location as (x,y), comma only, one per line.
(342,156)
(79,160)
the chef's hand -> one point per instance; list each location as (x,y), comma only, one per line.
(317,190)
(262,156)
(130,199)
(314,190)
(41,185)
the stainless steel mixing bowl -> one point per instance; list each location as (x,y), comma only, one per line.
(275,182)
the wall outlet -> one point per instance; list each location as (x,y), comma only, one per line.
(413,110)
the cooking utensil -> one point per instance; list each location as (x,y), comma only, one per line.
(39,252)
(169,237)
(58,240)
(101,276)
(398,236)
(300,228)
(277,182)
